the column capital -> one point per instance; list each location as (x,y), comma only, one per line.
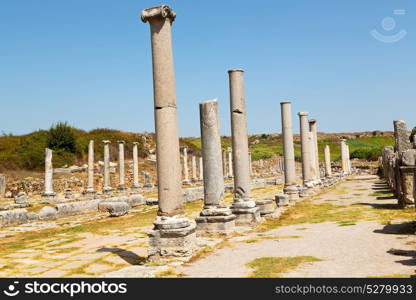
(121,142)
(163,12)
(303,114)
(106,142)
(312,121)
(286,102)
(135,143)
(235,70)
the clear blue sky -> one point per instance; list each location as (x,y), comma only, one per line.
(88,62)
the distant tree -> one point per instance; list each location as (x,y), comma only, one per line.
(61,136)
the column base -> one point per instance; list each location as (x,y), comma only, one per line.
(245,211)
(135,188)
(107,190)
(48,198)
(266,207)
(292,192)
(215,220)
(171,237)
(186,182)
(282,200)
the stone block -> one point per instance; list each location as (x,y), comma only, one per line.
(266,207)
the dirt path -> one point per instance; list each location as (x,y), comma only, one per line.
(353,243)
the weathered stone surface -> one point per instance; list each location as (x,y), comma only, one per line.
(266,207)
(47,213)
(408,157)
(13,217)
(305,148)
(282,200)
(76,208)
(288,147)
(117,209)
(21,198)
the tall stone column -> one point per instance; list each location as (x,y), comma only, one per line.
(185,167)
(348,159)
(306,151)
(215,216)
(250,163)
(107,182)
(327,158)
(90,181)
(313,156)
(136,184)
(194,176)
(121,172)
(173,234)
(288,152)
(344,157)
(224,163)
(243,206)
(314,129)
(230,163)
(48,194)
(201,169)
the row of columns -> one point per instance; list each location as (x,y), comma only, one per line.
(173,234)
(311,175)
(195,175)
(90,189)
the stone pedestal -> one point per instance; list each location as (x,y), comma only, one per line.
(292,192)
(246,212)
(216,220)
(171,237)
(282,200)
(407,181)
(266,207)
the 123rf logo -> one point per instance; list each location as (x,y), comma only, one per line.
(70,289)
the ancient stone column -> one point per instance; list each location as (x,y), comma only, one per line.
(215,217)
(250,164)
(107,182)
(224,163)
(122,183)
(136,184)
(288,152)
(243,206)
(344,157)
(327,158)
(147,180)
(348,159)
(173,234)
(313,128)
(194,176)
(201,169)
(311,141)
(305,150)
(48,194)
(230,163)
(185,167)
(90,180)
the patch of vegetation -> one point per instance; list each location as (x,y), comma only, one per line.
(270,237)
(274,267)
(381,194)
(169,273)
(307,212)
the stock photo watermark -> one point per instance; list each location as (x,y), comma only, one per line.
(388,24)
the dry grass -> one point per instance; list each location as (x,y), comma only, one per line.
(274,267)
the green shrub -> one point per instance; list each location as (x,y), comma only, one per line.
(62,137)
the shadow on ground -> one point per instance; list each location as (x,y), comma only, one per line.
(128,256)
(403,228)
(409,253)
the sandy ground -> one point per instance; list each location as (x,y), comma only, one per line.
(365,249)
